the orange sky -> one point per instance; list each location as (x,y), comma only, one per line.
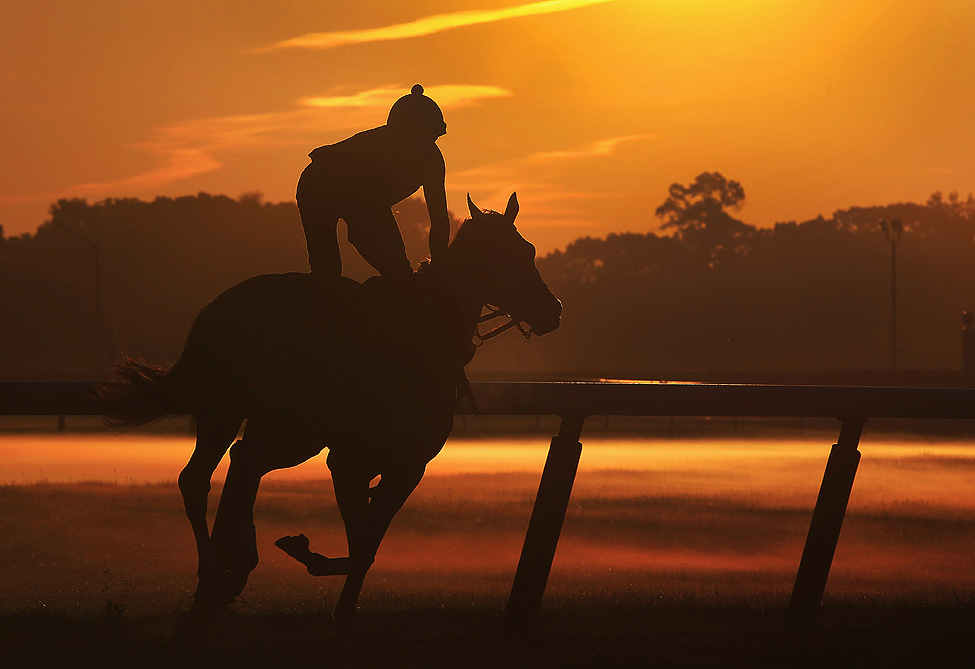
(588,108)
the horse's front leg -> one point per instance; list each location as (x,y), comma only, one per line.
(366,518)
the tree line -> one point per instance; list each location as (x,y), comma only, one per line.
(707,292)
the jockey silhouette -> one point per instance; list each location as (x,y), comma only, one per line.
(360,178)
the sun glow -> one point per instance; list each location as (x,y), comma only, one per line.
(813,106)
(780,472)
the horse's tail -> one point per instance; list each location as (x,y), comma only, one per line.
(137,394)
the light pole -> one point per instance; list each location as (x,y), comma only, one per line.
(893,232)
(99,351)
(968,344)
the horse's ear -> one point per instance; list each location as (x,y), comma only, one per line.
(511,209)
(475,212)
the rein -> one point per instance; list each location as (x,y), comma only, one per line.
(478,339)
(492,313)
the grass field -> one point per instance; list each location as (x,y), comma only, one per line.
(682,557)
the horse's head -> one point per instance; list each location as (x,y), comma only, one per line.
(499,265)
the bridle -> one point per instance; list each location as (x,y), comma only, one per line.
(496,312)
(478,339)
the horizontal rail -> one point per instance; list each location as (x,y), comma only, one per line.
(688,399)
(52,398)
(47,398)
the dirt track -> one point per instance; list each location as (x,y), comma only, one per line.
(672,636)
(97,575)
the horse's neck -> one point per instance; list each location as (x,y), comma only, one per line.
(427,307)
(457,294)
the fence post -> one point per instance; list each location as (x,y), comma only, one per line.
(827,520)
(544,527)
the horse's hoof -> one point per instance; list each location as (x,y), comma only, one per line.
(194,628)
(317,564)
(344,618)
(293,544)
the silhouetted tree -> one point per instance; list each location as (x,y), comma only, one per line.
(810,295)
(159,263)
(697,212)
(717,295)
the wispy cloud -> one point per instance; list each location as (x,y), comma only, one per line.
(539,166)
(428,25)
(195,147)
(603,147)
(540,180)
(447,96)
(177,163)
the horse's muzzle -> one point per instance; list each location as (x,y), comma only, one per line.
(549,319)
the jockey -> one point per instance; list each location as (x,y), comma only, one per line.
(359,180)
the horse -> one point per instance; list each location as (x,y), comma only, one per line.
(371,371)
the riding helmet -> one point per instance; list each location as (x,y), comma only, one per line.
(417,112)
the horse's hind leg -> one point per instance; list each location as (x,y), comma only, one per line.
(214,434)
(266,446)
(233,542)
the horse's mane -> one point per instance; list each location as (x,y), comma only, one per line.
(467,228)
(474,225)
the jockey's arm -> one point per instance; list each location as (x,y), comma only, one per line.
(436,199)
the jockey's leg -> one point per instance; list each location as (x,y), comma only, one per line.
(319,220)
(376,236)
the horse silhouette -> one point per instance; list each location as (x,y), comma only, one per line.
(373,371)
